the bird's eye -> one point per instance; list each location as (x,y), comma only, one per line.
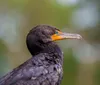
(56,32)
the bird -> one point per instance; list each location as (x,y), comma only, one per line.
(45,67)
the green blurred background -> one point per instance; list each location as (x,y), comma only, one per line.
(81,58)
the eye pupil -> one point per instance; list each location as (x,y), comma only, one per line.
(56,32)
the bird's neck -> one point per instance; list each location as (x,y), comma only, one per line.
(51,48)
(53,54)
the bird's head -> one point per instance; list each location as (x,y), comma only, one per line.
(41,35)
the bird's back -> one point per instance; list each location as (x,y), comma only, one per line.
(41,69)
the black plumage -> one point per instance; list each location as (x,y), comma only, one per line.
(45,66)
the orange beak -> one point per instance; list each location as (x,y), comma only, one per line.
(61,36)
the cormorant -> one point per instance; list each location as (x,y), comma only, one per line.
(45,66)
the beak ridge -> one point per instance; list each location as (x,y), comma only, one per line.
(62,35)
(71,36)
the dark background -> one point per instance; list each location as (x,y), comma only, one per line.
(81,57)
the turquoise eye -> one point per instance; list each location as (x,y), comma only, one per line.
(56,32)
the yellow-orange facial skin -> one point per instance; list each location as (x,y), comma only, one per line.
(60,36)
(57,36)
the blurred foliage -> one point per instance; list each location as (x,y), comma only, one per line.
(97,74)
(70,68)
(3,50)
